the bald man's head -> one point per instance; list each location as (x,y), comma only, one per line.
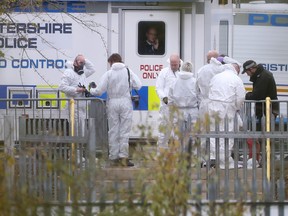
(174,62)
(79,60)
(212,54)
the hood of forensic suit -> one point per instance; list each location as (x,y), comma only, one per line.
(69,64)
(118,66)
(215,62)
(230,67)
(228,60)
(185,75)
(79,70)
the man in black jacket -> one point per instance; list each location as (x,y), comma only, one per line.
(263,86)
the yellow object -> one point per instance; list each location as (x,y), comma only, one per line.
(153,99)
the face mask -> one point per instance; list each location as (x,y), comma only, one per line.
(79,69)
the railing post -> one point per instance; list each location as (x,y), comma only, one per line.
(9,135)
(72,123)
(92,142)
(22,150)
(9,148)
(268,149)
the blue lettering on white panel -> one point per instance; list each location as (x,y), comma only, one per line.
(273,67)
(268,19)
(279,20)
(255,19)
(37,63)
(3,63)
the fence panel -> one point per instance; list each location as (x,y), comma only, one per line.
(46,162)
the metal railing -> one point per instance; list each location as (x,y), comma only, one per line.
(46,168)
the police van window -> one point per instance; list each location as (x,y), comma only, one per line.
(151,38)
(223,37)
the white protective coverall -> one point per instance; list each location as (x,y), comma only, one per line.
(69,83)
(226,96)
(203,78)
(119,107)
(183,95)
(164,82)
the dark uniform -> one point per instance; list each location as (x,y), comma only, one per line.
(146,48)
(263,86)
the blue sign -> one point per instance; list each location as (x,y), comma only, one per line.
(268,19)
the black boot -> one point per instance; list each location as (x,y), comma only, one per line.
(126,162)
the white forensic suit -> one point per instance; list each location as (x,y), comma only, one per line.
(119,107)
(183,98)
(164,82)
(226,96)
(183,95)
(203,78)
(69,83)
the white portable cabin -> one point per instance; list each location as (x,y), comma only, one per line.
(100,28)
(37,43)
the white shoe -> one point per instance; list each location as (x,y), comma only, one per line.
(250,163)
(231,164)
(79,161)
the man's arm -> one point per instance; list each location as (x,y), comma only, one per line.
(89,68)
(259,89)
(66,87)
(102,86)
(136,82)
(240,94)
(160,84)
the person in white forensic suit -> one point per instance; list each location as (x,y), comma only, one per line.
(203,78)
(183,97)
(118,85)
(226,96)
(164,81)
(75,74)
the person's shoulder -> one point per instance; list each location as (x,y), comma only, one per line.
(205,68)
(164,70)
(162,74)
(142,48)
(267,74)
(68,72)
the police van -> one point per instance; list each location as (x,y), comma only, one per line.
(37,43)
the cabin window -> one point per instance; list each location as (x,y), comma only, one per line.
(151,38)
(223,37)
